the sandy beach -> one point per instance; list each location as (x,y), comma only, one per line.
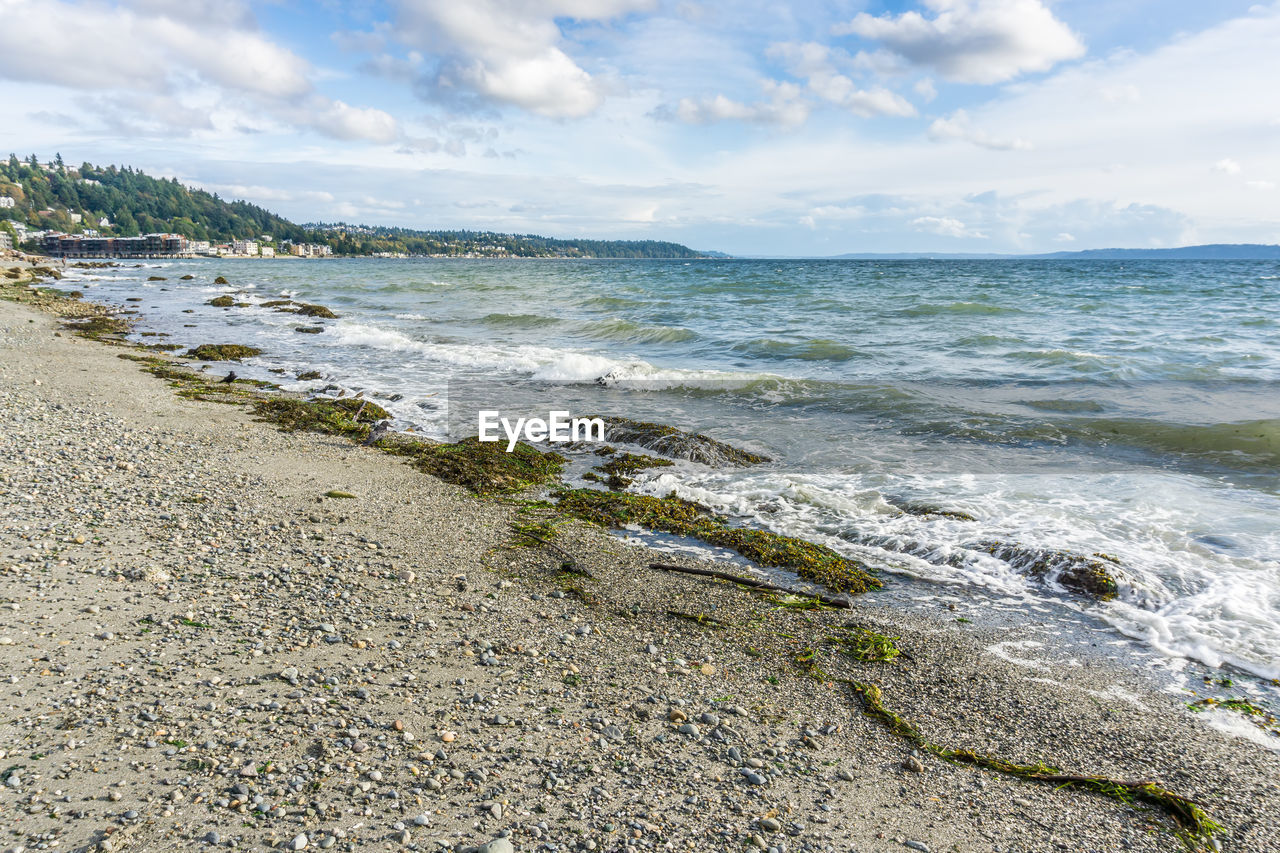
(202,649)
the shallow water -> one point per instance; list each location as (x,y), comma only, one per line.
(1129,409)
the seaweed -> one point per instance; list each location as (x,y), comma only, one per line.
(483,467)
(1195,827)
(619,467)
(221,302)
(681,517)
(865,645)
(347,416)
(223,352)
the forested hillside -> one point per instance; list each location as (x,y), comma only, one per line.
(124,202)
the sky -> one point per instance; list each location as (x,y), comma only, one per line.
(751,127)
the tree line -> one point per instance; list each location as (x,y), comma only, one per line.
(125,202)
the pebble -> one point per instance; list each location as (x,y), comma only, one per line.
(299,842)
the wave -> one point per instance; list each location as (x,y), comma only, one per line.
(518,321)
(625,330)
(816,349)
(933,309)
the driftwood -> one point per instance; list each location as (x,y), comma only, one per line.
(569,565)
(828,600)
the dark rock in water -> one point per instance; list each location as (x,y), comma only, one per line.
(223,352)
(187,277)
(309,330)
(229,378)
(677,444)
(308,375)
(1088,574)
(156,278)
(316,311)
(220,280)
(222,302)
(925,510)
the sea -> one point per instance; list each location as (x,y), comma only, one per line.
(1127,409)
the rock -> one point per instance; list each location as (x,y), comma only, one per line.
(497,845)
(919,846)
(690,729)
(299,842)
(844,775)
(913,764)
(290,674)
(707,669)
(770,825)
(212,837)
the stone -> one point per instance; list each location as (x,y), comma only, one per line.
(299,842)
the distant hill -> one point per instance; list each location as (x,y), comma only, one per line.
(1207,252)
(349,239)
(124,202)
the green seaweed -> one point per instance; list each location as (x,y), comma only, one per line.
(483,467)
(680,517)
(1194,826)
(347,416)
(620,467)
(865,645)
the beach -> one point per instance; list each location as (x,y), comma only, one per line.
(216,633)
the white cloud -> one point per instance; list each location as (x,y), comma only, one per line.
(946,226)
(926,89)
(974,41)
(147,63)
(510,51)
(784,107)
(1227,166)
(959,126)
(1064,237)
(817,63)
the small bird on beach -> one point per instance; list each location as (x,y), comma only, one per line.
(380,429)
(229,378)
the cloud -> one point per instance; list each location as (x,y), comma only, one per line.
(148,62)
(974,41)
(784,107)
(946,226)
(1227,166)
(509,51)
(817,64)
(959,126)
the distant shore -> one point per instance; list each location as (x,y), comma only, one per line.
(218,631)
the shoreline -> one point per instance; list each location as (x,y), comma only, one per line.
(249,550)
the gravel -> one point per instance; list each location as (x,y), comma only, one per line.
(169,678)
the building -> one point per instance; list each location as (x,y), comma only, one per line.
(244,247)
(7,201)
(199,247)
(310,250)
(6,242)
(147,246)
(267,252)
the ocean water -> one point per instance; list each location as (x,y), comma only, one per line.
(1130,409)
